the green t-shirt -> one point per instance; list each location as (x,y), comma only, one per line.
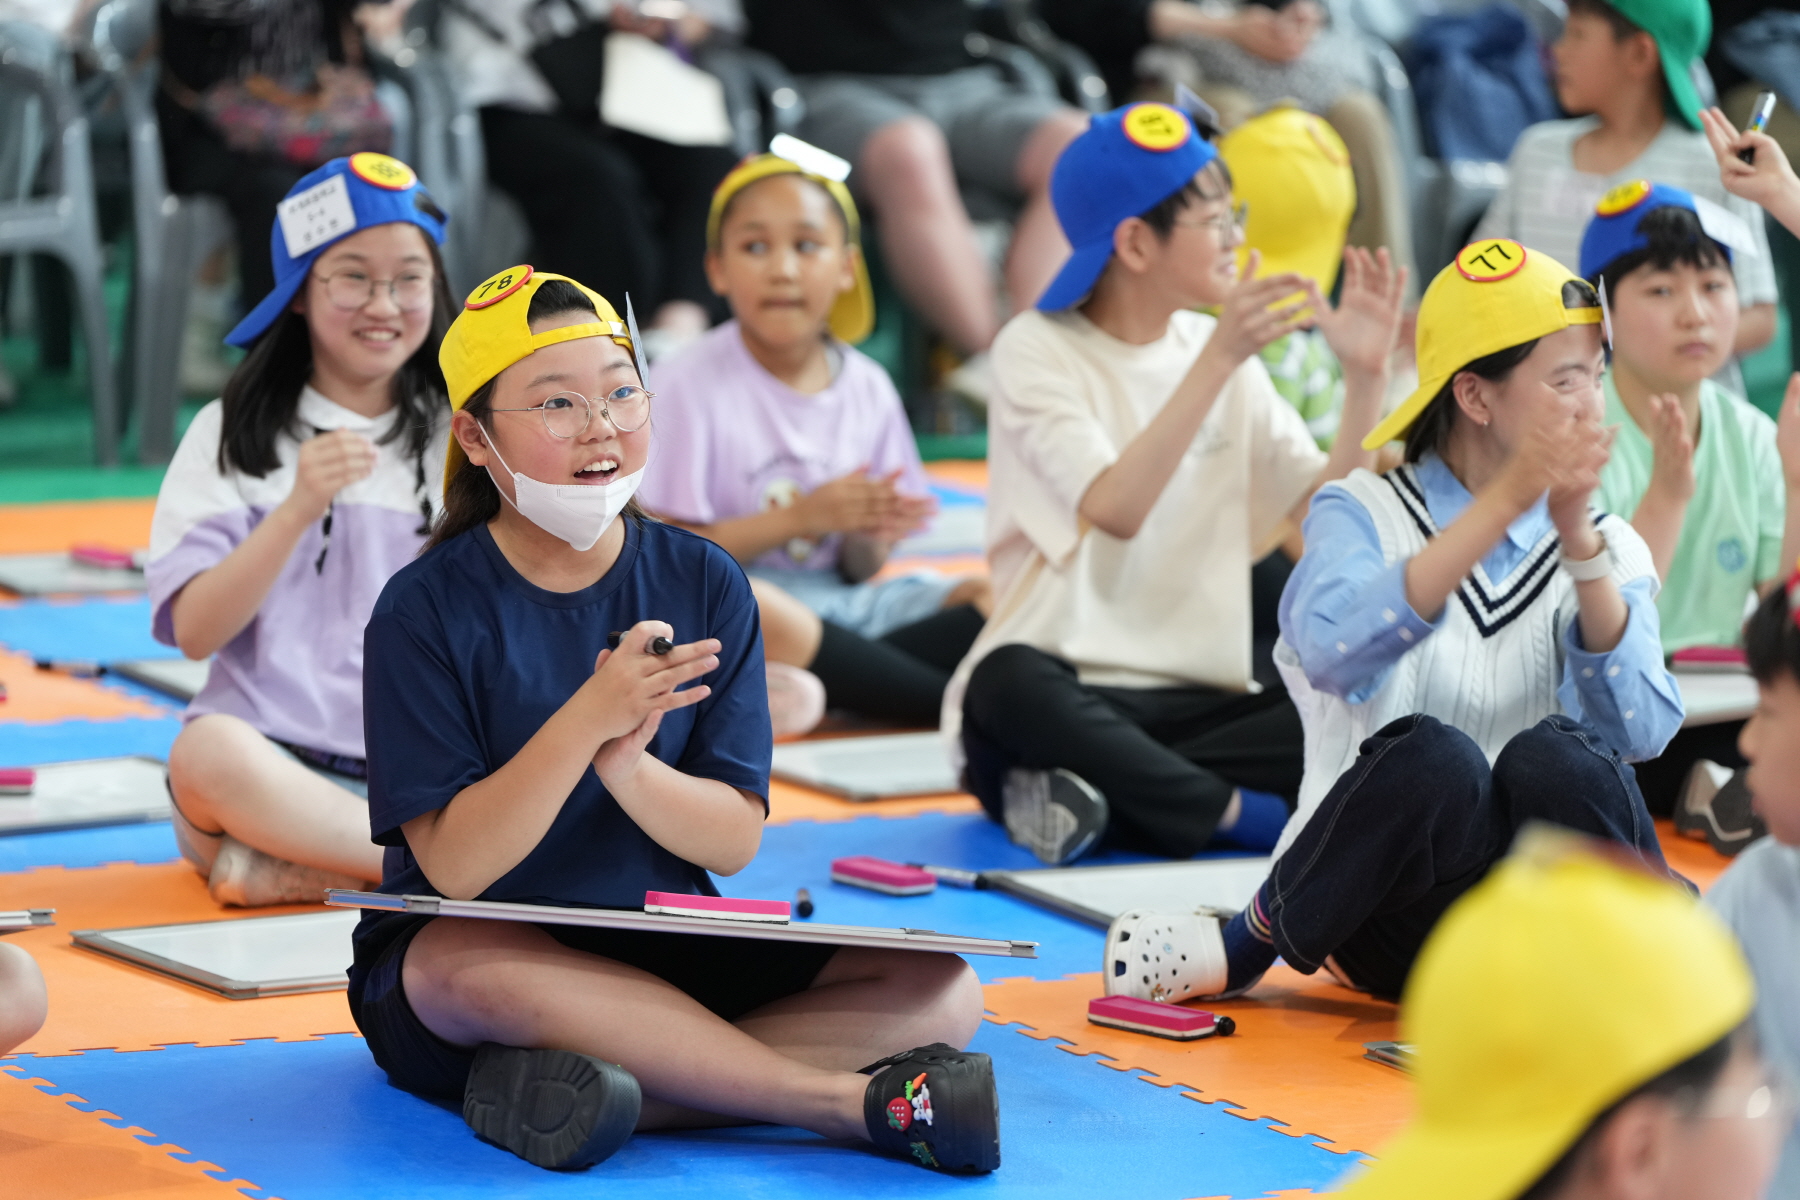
(1306,374)
(1731,536)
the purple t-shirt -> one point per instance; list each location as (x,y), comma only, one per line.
(732,440)
(295,672)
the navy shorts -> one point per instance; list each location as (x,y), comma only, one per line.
(729,976)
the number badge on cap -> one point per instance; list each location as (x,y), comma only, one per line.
(1490,261)
(382,171)
(1623,198)
(1156,127)
(498,287)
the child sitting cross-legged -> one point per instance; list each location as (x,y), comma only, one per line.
(1470,644)
(784,444)
(1703,476)
(1140,460)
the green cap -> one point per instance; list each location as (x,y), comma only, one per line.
(1681,29)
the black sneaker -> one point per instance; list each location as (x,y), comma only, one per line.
(1055,814)
(937,1106)
(1715,808)
(552,1108)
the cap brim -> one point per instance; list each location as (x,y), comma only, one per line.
(263,315)
(1077,277)
(1394,426)
(1682,92)
(1486,1164)
(853,315)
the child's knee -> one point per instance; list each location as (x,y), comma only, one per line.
(212,747)
(1005,674)
(956,999)
(24,1003)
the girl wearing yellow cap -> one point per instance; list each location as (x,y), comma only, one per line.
(532,740)
(1469,643)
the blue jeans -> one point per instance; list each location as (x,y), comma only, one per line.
(1417,820)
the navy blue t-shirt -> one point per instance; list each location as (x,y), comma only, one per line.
(464,661)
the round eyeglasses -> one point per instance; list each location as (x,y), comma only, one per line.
(567,414)
(350,290)
(1225,225)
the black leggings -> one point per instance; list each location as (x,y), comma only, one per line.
(620,212)
(900,676)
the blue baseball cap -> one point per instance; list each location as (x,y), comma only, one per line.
(326,206)
(1125,163)
(1613,231)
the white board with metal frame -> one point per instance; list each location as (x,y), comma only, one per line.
(619,918)
(1714,697)
(877,767)
(241,960)
(19,920)
(181,678)
(58,574)
(1098,894)
(89,793)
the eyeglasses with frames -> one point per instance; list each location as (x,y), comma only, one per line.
(567,414)
(1772,1098)
(1225,225)
(350,290)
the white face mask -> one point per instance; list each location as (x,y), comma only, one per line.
(578,513)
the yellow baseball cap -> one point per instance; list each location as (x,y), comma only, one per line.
(493,331)
(1496,294)
(853,315)
(1561,983)
(1292,171)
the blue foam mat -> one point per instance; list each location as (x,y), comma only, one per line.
(25,745)
(147,842)
(103,629)
(305,1120)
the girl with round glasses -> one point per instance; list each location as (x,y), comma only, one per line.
(290,502)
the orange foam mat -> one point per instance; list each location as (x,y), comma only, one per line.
(1696,860)
(100,1003)
(790,802)
(1296,1057)
(963,472)
(40,696)
(50,1150)
(47,528)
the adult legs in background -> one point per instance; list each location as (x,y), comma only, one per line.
(1383,207)
(1661,779)
(231,783)
(1167,760)
(23,1002)
(584,199)
(1038,246)
(682,178)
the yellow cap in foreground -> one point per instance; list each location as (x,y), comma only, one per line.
(853,316)
(1292,171)
(493,331)
(1495,295)
(1552,990)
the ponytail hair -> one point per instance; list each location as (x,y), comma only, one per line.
(470,496)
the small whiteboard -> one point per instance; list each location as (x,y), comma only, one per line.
(240,960)
(181,678)
(869,768)
(53,574)
(80,795)
(1711,698)
(19,920)
(1098,894)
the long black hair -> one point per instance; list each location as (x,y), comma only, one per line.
(470,497)
(262,397)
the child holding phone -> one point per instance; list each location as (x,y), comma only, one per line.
(514,756)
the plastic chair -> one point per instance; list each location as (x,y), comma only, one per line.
(52,211)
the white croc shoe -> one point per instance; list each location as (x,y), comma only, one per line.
(1170,956)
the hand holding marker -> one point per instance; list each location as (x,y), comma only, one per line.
(656,645)
(1759,121)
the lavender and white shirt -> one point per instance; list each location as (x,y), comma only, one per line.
(295,672)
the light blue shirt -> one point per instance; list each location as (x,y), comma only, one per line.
(1345,614)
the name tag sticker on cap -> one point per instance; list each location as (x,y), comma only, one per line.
(1724,226)
(1623,198)
(498,287)
(383,171)
(1490,261)
(1156,127)
(316,216)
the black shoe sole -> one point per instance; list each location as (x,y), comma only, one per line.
(553,1108)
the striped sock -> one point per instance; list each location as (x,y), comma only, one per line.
(1249,946)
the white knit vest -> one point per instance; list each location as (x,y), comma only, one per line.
(1491,670)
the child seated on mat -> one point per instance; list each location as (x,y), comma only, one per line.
(515,754)
(288,505)
(1578,1032)
(1704,477)
(1470,644)
(23,1002)
(1140,460)
(786,445)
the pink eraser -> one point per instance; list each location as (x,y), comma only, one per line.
(880,875)
(1158,1020)
(102,556)
(17,781)
(675,904)
(1709,654)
